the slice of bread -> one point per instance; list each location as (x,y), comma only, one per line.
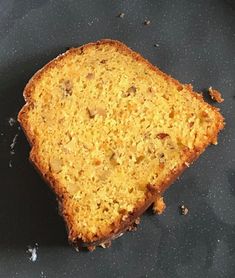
(109,132)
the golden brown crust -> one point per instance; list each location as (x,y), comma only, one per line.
(152,191)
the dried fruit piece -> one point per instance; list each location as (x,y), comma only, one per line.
(96,111)
(161,160)
(204,114)
(180,88)
(162,135)
(113,160)
(150,90)
(191,124)
(66,87)
(139,159)
(96,162)
(172,114)
(161,157)
(90,76)
(130,91)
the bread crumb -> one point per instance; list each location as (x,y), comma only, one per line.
(137,221)
(156,45)
(91,248)
(106,244)
(42,275)
(12,145)
(121,15)
(33,252)
(11,121)
(121,234)
(159,205)
(147,22)
(77,249)
(183,210)
(215,95)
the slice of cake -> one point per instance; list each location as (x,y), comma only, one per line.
(109,132)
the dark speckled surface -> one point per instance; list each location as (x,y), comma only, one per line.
(195,43)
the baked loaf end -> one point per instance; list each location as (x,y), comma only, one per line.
(109,132)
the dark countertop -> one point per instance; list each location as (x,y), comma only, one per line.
(195,43)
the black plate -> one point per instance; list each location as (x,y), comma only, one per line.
(194,42)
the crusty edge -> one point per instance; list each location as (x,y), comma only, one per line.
(151,193)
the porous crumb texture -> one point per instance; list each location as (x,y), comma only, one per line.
(109,131)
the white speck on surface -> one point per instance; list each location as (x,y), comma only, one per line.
(121,15)
(10,163)
(11,121)
(77,249)
(92,21)
(33,253)
(12,145)
(42,275)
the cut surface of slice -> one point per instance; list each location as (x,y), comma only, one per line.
(110,132)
